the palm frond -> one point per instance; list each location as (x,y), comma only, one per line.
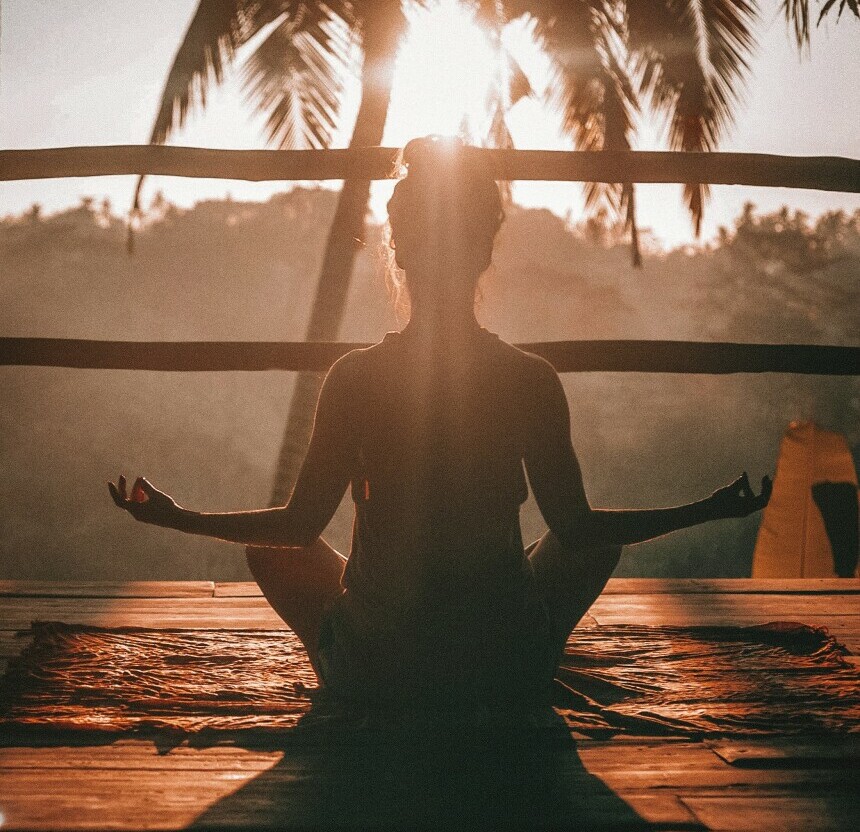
(296,77)
(853,5)
(797,15)
(217,30)
(592,90)
(692,58)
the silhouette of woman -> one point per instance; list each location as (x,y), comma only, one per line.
(433,428)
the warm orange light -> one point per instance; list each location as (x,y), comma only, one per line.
(444,72)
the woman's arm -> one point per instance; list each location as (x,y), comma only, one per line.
(637,525)
(556,480)
(319,488)
(282,526)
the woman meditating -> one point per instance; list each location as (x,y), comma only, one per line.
(435,429)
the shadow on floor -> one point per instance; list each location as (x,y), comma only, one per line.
(457,777)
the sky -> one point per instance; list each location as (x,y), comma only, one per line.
(91,73)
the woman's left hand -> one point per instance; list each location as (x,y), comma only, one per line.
(738,499)
(146,503)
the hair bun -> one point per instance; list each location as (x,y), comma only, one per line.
(431,152)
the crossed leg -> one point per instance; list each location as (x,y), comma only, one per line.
(570,580)
(300,584)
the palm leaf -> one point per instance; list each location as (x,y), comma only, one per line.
(797,15)
(217,30)
(843,4)
(692,58)
(592,90)
(296,78)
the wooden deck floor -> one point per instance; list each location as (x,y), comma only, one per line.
(631,783)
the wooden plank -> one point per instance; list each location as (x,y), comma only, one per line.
(730,586)
(304,791)
(642,586)
(108,589)
(565,356)
(615,586)
(597,758)
(139,755)
(130,784)
(12,642)
(722,608)
(652,754)
(742,603)
(834,812)
(237,589)
(682,767)
(788,752)
(110,799)
(645,775)
(838,613)
(166,613)
(662,811)
(830,173)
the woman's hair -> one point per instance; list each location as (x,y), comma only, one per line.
(444,213)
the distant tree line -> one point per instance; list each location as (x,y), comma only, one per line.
(246,271)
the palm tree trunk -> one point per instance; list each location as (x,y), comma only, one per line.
(347,229)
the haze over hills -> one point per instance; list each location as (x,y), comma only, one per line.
(226,270)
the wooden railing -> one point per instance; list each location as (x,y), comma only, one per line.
(818,172)
(565,356)
(827,173)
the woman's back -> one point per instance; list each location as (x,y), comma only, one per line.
(437,572)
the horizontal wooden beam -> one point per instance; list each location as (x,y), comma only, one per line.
(826,173)
(565,356)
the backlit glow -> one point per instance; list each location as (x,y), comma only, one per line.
(444,72)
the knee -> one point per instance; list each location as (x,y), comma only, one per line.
(259,558)
(599,561)
(611,556)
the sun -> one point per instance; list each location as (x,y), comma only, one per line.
(445,70)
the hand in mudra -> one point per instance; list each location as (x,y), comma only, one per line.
(738,499)
(146,503)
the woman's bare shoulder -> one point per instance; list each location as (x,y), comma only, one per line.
(528,365)
(358,362)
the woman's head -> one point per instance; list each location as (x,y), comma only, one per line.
(444,216)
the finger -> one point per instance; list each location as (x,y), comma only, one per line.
(139,491)
(762,500)
(746,488)
(121,487)
(115,495)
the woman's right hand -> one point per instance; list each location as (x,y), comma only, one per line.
(145,503)
(738,500)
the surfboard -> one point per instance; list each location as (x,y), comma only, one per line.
(809,528)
